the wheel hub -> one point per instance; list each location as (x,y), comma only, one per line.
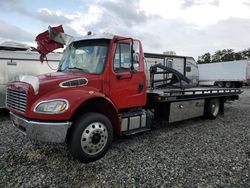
(215,109)
(94,138)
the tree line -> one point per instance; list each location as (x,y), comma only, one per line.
(224,55)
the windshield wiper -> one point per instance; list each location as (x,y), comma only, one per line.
(77,68)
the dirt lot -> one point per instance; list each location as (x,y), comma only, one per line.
(193,153)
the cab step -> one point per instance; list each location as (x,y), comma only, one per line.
(136,131)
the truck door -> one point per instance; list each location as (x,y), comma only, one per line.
(127,86)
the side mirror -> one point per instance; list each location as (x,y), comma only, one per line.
(135,51)
(135,66)
(136,57)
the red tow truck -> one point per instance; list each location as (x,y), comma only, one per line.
(100,90)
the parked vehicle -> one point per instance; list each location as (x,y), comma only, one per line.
(100,90)
(17,59)
(184,64)
(225,74)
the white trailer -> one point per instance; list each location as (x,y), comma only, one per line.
(183,64)
(17,59)
(225,74)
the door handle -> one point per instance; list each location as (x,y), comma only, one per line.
(124,76)
(11,62)
(140,87)
(119,77)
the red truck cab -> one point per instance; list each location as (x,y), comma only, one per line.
(98,76)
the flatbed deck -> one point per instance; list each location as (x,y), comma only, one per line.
(193,93)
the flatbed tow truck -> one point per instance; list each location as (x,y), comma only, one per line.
(100,90)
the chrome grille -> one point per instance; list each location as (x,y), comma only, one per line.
(16,99)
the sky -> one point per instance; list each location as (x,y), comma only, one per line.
(188,27)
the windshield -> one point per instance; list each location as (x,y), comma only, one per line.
(85,56)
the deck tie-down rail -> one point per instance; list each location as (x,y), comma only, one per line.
(201,91)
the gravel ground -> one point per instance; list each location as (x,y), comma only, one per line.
(193,153)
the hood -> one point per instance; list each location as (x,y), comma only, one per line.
(58,77)
(48,82)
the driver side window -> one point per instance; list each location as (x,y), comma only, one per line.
(122,59)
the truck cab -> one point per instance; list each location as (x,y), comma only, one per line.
(98,77)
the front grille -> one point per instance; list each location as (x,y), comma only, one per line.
(16,99)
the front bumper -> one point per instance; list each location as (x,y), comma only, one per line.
(43,131)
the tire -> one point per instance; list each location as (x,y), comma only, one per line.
(212,108)
(238,84)
(220,84)
(233,85)
(228,84)
(90,137)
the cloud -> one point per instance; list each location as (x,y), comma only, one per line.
(186,40)
(130,15)
(14,6)
(229,33)
(190,3)
(51,17)
(179,36)
(7,4)
(45,16)
(11,32)
(158,33)
(246,2)
(215,3)
(111,16)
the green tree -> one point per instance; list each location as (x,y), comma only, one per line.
(245,53)
(224,55)
(206,58)
(216,57)
(227,55)
(238,56)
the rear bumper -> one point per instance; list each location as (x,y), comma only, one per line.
(43,131)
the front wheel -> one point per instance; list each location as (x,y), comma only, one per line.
(90,137)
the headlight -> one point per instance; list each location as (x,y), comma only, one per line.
(52,107)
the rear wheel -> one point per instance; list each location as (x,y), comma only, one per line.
(212,108)
(91,137)
(238,84)
(228,84)
(220,84)
(233,84)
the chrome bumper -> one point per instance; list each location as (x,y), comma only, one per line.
(43,131)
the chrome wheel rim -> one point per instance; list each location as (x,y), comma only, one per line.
(220,84)
(94,138)
(228,84)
